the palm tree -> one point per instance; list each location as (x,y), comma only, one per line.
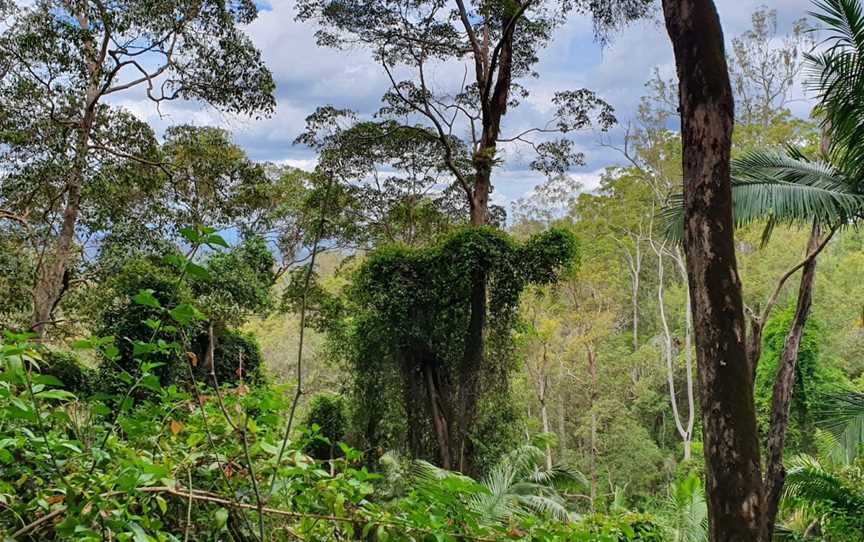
(685,510)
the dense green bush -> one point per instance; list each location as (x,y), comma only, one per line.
(233,350)
(327,422)
(127,474)
(225,289)
(68,368)
(814,379)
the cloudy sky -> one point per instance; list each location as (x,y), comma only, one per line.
(308,76)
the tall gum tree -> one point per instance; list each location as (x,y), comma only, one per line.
(731,444)
(62,59)
(494,46)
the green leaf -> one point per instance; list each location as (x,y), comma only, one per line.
(151,382)
(140,347)
(197,272)
(55,394)
(185,313)
(215,239)
(221,517)
(191,234)
(47,380)
(145,298)
(138,533)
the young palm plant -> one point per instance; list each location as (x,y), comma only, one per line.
(686,512)
(834,494)
(519,484)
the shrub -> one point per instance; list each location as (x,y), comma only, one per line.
(68,369)
(329,414)
(233,349)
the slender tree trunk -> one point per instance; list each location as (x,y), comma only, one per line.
(592,373)
(688,356)
(784,383)
(685,434)
(635,271)
(562,428)
(733,471)
(544,415)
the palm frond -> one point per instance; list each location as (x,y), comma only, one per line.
(842,416)
(836,76)
(808,479)
(782,188)
(686,510)
(546,506)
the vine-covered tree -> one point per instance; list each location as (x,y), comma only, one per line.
(401,326)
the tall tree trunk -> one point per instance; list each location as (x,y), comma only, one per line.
(469,374)
(592,374)
(784,382)
(733,472)
(439,418)
(482,187)
(544,414)
(52,277)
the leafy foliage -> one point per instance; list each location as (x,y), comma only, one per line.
(410,313)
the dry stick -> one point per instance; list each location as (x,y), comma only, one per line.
(207,496)
(299,389)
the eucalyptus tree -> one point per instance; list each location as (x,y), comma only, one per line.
(388,179)
(731,444)
(63,61)
(494,46)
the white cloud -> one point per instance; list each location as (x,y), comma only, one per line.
(308,76)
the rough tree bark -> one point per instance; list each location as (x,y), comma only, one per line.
(731,444)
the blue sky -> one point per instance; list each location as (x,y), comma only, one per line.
(308,76)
